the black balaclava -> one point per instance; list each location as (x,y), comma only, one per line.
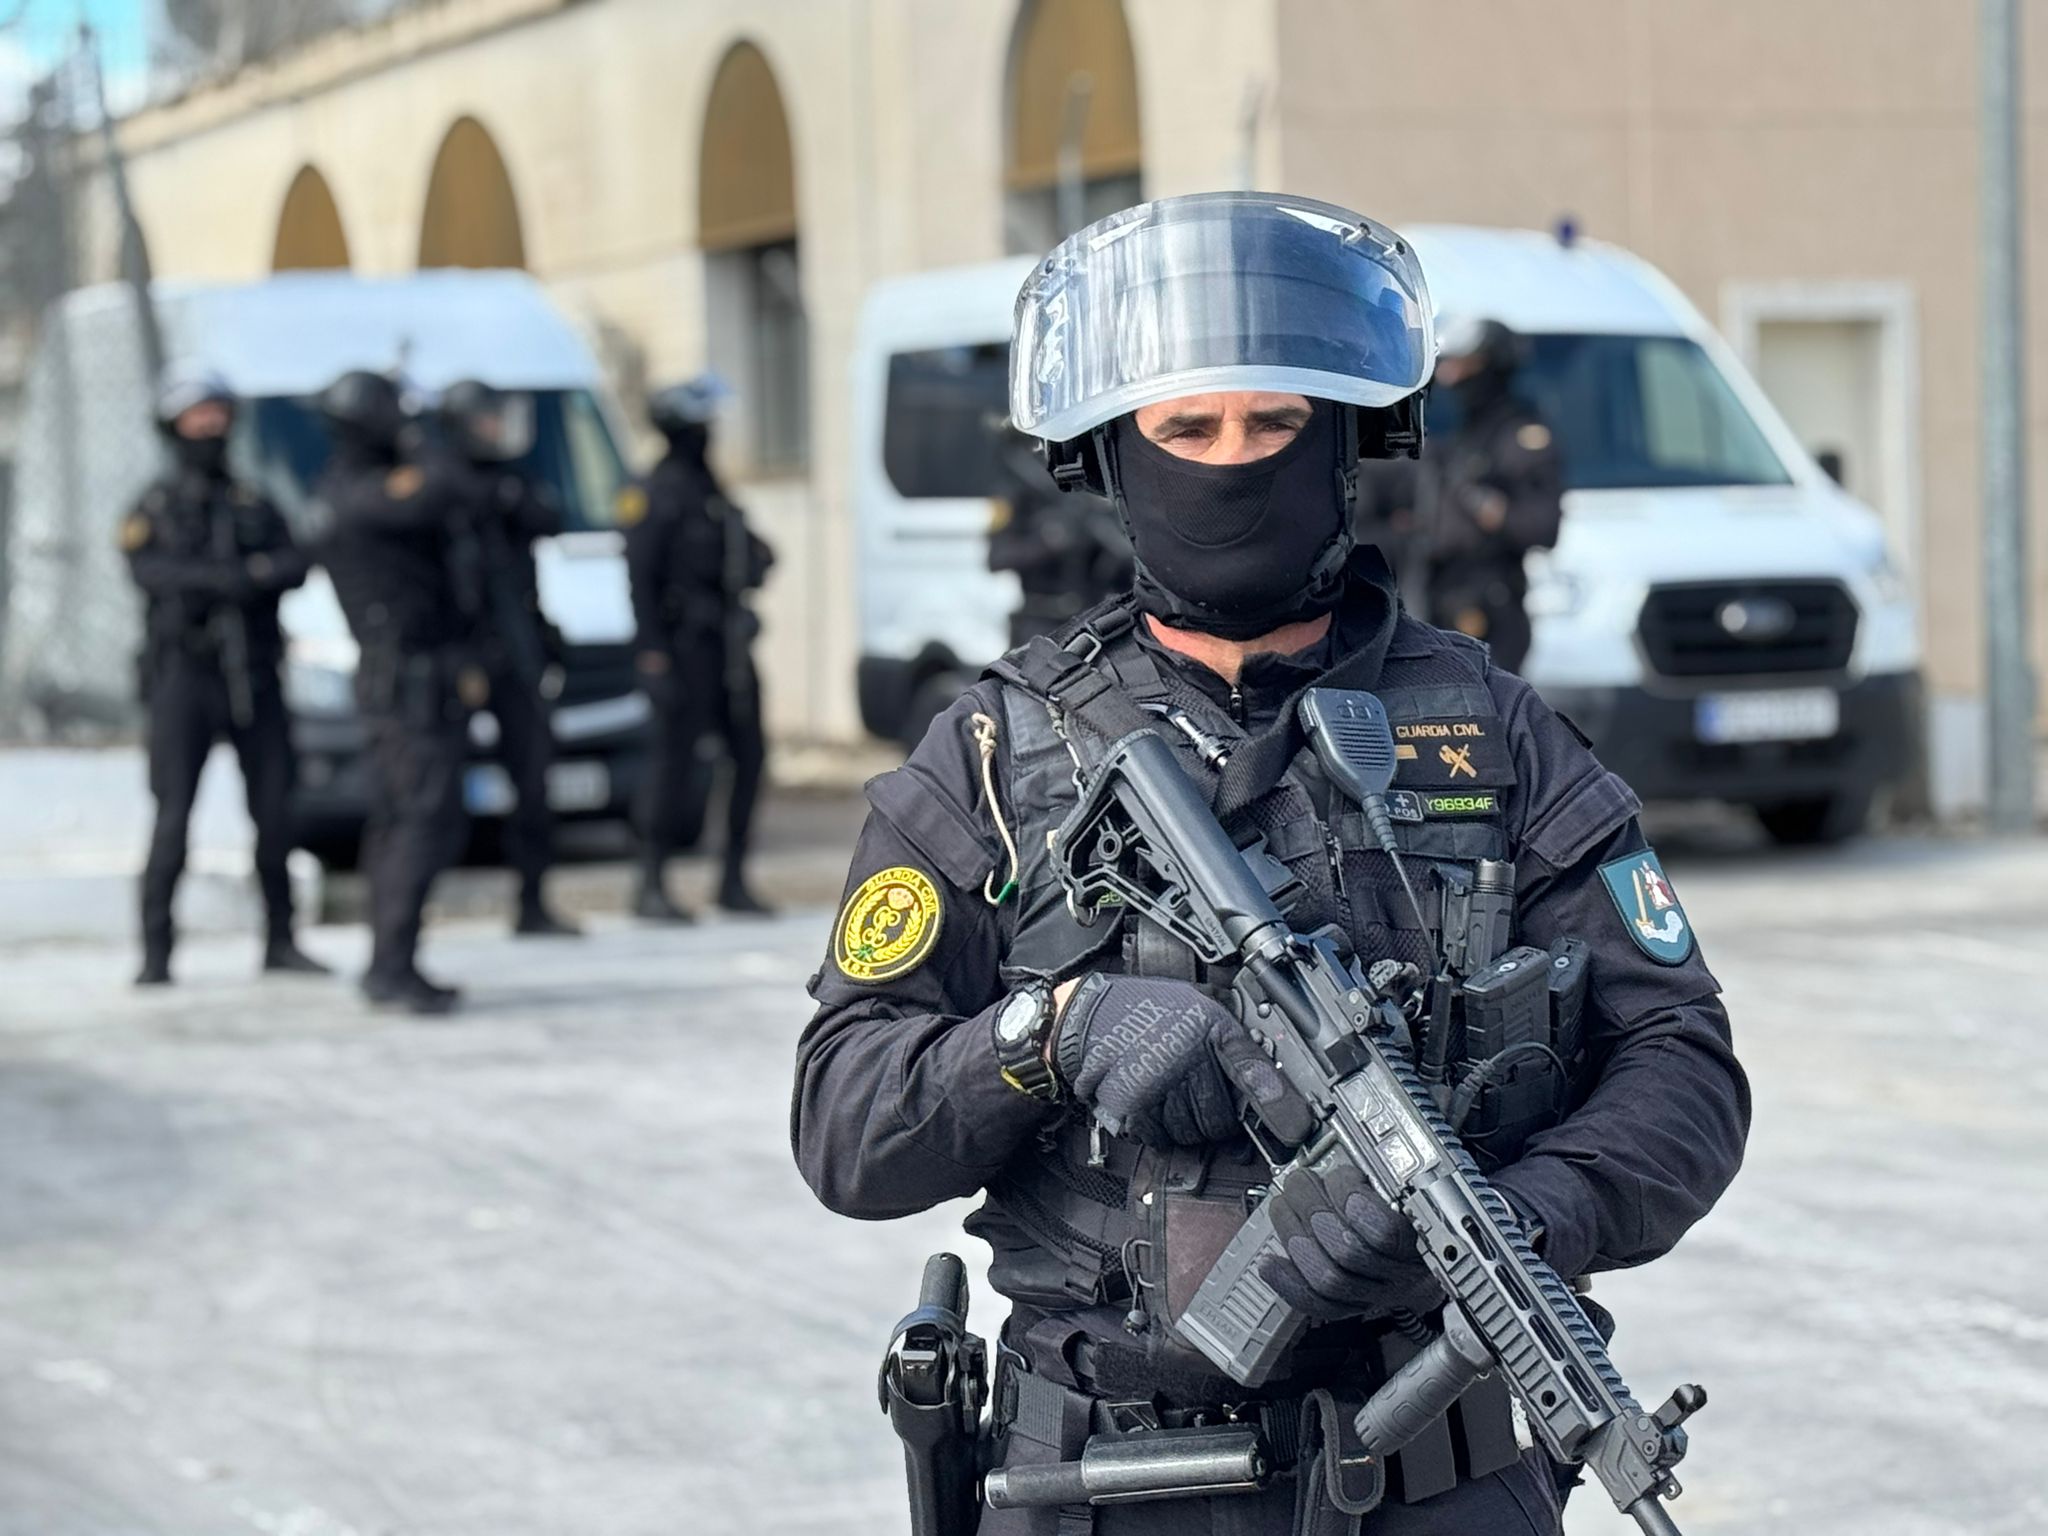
(690,442)
(207,456)
(1236,550)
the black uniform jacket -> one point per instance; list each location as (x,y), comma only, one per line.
(677,563)
(387,546)
(197,543)
(497,575)
(898,1103)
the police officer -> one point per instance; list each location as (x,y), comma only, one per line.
(389,547)
(1488,490)
(692,562)
(1067,552)
(212,558)
(1282,340)
(487,432)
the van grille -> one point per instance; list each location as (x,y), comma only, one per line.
(594,672)
(1748,629)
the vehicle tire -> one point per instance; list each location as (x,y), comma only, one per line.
(1816,823)
(933,697)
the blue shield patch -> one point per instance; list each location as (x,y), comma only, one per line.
(1649,907)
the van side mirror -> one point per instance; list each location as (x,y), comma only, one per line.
(1830,462)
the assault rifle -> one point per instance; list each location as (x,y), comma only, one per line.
(1143,838)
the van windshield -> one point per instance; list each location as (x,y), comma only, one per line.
(573,454)
(1635,412)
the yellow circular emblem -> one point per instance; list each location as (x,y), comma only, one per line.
(888,926)
(630,506)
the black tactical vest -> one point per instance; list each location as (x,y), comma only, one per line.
(1078,1222)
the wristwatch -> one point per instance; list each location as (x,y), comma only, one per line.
(1021,1027)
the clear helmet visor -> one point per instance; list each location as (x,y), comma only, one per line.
(1219,291)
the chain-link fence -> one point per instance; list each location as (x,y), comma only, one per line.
(74,419)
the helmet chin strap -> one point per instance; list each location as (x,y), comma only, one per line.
(1318,595)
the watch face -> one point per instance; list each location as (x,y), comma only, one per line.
(1018,1018)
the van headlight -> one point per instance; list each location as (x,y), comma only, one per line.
(1890,586)
(316,687)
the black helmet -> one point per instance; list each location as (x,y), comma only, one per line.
(365,408)
(488,424)
(692,404)
(185,385)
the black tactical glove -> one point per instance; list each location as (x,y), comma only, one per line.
(1141,1053)
(1348,1251)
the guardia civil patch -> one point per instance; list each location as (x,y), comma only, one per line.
(888,926)
(1649,907)
(630,508)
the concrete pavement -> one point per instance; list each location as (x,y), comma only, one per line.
(267,1264)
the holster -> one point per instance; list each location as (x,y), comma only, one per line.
(933,1383)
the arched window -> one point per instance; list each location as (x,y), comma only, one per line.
(309,232)
(747,226)
(1072,142)
(472,215)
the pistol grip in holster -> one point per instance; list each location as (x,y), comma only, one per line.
(932,1385)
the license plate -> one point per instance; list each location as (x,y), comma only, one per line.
(487,791)
(1776,714)
(579,786)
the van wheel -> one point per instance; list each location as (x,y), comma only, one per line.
(934,696)
(1811,823)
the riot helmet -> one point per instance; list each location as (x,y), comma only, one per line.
(1226,293)
(195,411)
(186,386)
(486,424)
(366,412)
(696,402)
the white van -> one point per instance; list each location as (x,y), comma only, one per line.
(1718,615)
(87,450)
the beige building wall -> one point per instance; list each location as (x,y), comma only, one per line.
(1737,144)
(1741,145)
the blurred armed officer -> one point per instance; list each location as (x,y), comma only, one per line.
(390,524)
(1487,491)
(693,564)
(486,433)
(212,559)
(1218,365)
(1068,552)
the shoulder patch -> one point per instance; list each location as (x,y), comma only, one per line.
(404,482)
(135,532)
(629,507)
(1532,436)
(889,926)
(1649,907)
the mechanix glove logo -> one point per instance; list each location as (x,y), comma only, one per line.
(888,926)
(1649,907)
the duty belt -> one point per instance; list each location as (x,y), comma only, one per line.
(1113,1452)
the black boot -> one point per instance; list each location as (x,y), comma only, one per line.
(410,993)
(734,897)
(652,904)
(281,956)
(156,968)
(536,921)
